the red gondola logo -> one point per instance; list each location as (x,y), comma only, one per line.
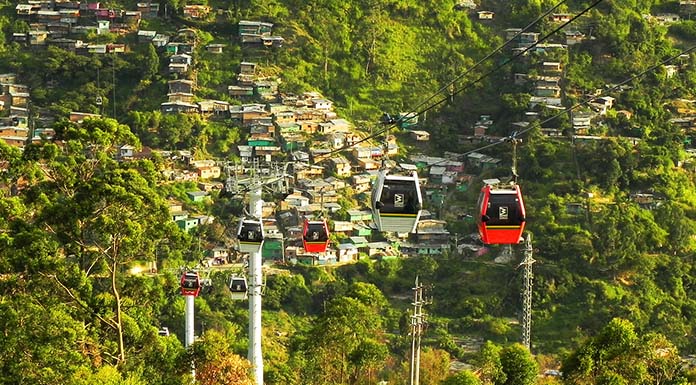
(503,213)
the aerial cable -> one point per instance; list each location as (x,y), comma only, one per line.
(517,55)
(576,105)
(615,87)
(391,123)
(478,63)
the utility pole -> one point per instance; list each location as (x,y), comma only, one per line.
(255,284)
(528,280)
(417,325)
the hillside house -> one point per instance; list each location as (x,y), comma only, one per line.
(126,151)
(336,183)
(180,97)
(359,216)
(160,40)
(482,161)
(148,10)
(145,36)
(215,107)
(547,91)
(272,41)
(485,15)
(361,182)
(340,166)
(215,48)
(27,10)
(308,172)
(180,59)
(551,67)
(187,224)
(381,250)
(545,101)
(246,27)
(196,11)
(526,39)
(347,252)
(79,117)
(37,37)
(581,121)
(480,130)
(602,104)
(181,86)
(208,172)
(197,196)
(321,104)
(560,17)
(247,68)
(296,200)
(132,18)
(420,136)
(45,16)
(367,165)
(574,37)
(510,33)
(179,107)
(666,18)
(344,227)
(240,92)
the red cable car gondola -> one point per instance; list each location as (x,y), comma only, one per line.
(190,283)
(315,237)
(501,216)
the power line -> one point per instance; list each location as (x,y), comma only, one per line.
(517,55)
(478,63)
(579,104)
(471,83)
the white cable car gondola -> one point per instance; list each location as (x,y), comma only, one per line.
(238,287)
(396,202)
(250,235)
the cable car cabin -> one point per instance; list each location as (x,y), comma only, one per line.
(315,237)
(238,287)
(502,215)
(396,202)
(190,284)
(250,236)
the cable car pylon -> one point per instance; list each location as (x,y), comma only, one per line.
(527,282)
(254,188)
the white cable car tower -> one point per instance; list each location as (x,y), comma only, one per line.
(254,186)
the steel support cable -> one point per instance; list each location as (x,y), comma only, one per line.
(473,82)
(580,104)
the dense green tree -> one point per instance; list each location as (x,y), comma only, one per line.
(463,377)
(619,355)
(518,365)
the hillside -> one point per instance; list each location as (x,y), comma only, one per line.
(131,130)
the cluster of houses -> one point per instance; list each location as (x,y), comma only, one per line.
(250,85)
(15,129)
(53,22)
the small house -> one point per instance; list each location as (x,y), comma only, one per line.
(181,86)
(215,48)
(421,136)
(485,15)
(197,196)
(560,17)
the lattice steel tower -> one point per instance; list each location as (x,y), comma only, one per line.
(528,281)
